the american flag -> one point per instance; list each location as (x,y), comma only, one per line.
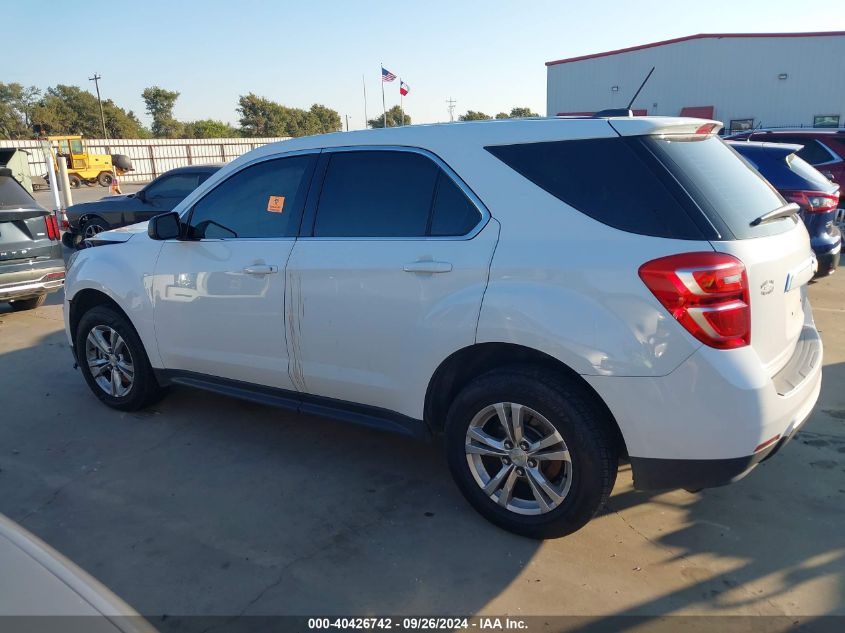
(386,75)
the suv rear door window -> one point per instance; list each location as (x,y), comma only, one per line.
(376,194)
(453,213)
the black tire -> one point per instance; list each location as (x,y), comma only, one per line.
(71,239)
(28,304)
(93,226)
(574,412)
(105,179)
(74,181)
(144,389)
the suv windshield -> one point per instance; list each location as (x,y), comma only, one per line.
(724,186)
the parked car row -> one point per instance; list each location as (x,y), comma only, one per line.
(548,295)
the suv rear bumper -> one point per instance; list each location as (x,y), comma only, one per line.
(31,279)
(829,261)
(715,417)
(652,473)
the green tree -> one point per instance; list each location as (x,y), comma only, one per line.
(263,117)
(522,113)
(16,104)
(472,115)
(209,128)
(71,110)
(160,103)
(324,119)
(502,115)
(395,117)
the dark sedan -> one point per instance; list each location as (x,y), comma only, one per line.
(160,196)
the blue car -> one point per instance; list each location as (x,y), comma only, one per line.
(799,182)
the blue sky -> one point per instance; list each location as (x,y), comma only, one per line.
(489,56)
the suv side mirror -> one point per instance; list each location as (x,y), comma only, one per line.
(166,226)
(141,195)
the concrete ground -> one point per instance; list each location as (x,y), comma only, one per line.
(208,505)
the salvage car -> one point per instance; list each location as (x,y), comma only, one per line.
(31,264)
(86,219)
(547,295)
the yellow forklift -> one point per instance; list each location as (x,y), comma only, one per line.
(90,169)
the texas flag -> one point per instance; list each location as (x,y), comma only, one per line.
(403,88)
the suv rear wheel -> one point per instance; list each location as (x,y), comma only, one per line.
(113,360)
(532,452)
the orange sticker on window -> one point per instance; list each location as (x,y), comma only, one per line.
(276,204)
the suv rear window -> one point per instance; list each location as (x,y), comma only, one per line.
(809,173)
(13,195)
(813,151)
(729,191)
(683,187)
(609,180)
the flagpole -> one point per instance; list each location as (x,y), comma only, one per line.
(383,105)
(401,110)
(364,84)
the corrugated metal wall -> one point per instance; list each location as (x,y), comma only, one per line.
(737,75)
(153,157)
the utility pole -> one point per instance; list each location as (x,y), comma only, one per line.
(96,79)
(347,122)
(451,107)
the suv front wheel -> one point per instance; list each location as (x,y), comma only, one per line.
(531,451)
(113,360)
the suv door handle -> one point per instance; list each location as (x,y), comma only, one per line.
(427,267)
(262,269)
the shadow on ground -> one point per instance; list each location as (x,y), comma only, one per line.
(206,505)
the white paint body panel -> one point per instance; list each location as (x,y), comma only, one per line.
(342,319)
(214,318)
(363,329)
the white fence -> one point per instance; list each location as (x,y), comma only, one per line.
(152,157)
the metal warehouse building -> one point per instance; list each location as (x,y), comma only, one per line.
(743,79)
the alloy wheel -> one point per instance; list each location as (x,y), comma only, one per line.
(92,229)
(518,458)
(109,360)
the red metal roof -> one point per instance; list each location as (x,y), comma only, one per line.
(700,36)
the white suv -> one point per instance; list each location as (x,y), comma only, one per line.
(548,295)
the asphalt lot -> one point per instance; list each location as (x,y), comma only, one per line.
(207,505)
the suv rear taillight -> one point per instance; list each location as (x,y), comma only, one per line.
(813,201)
(52,227)
(706,292)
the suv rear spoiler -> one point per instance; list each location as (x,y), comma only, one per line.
(664,126)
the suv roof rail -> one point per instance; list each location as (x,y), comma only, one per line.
(613,112)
